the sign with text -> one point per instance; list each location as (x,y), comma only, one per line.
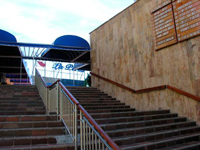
(187,18)
(164,27)
(60,66)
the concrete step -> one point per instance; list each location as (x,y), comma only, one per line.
(32,132)
(86,92)
(22,108)
(105,107)
(134,118)
(26,118)
(30,140)
(36,112)
(21,104)
(194,145)
(30,124)
(149,129)
(92,96)
(102,104)
(95,101)
(153,136)
(35,141)
(129,113)
(89,94)
(41,147)
(111,110)
(135,124)
(19,98)
(163,143)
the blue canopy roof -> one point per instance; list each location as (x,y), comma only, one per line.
(7,37)
(72,41)
(78,49)
(67,48)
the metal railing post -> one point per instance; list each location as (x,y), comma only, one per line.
(76,127)
(58,99)
(81,129)
(47,100)
(61,101)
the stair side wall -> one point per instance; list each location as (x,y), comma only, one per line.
(122,50)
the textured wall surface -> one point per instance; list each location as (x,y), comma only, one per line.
(123,51)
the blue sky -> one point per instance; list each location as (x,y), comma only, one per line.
(42,21)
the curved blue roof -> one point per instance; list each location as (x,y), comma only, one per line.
(7,37)
(72,41)
(75,49)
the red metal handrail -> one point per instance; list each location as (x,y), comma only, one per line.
(113,82)
(162,87)
(50,86)
(183,93)
(90,119)
(129,89)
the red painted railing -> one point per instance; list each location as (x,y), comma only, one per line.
(90,119)
(162,87)
(111,143)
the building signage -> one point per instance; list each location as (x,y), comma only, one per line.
(187,18)
(59,66)
(164,27)
(175,22)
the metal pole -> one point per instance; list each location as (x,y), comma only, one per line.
(76,128)
(47,101)
(45,69)
(33,68)
(81,129)
(73,78)
(58,99)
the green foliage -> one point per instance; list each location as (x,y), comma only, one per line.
(88,81)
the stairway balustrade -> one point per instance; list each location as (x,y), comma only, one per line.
(58,99)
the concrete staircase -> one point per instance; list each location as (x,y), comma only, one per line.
(24,123)
(138,130)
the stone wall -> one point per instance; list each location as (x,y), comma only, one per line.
(123,51)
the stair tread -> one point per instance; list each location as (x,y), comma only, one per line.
(174,138)
(131,117)
(39,147)
(129,112)
(146,127)
(48,121)
(132,109)
(29,137)
(23,129)
(154,133)
(122,123)
(30,116)
(184,146)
